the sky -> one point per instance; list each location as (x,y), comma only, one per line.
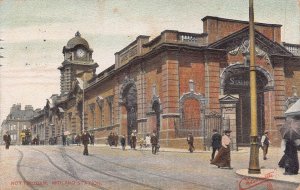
(33,33)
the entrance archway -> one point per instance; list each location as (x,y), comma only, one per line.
(235,80)
(128,98)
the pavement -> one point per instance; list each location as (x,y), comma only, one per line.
(267,174)
(274,174)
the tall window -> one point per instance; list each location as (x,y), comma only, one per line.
(92,109)
(110,104)
(100,103)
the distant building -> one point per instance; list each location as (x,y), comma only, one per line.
(18,120)
(176,83)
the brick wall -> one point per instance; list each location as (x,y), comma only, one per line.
(218,28)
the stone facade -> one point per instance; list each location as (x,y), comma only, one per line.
(171,83)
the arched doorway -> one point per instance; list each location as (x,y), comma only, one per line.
(128,98)
(236,81)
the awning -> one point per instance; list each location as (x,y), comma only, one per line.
(294,110)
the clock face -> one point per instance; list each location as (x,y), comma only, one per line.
(80,53)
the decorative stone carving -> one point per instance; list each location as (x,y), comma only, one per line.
(235,68)
(100,101)
(240,39)
(244,47)
(127,83)
(92,107)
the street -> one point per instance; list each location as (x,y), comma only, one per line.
(58,167)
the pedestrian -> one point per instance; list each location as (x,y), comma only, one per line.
(290,160)
(63,139)
(123,142)
(92,139)
(85,138)
(68,139)
(215,143)
(113,138)
(116,139)
(109,139)
(190,140)
(7,140)
(222,160)
(283,158)
(141,142)
(77,139)
(133,139)
(265,142)
(148,140)
(154,142)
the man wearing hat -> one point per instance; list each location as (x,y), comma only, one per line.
(265,142)
(85,138)
(7,139)
(190,140)
(215,143)
(133,139)
(222,160)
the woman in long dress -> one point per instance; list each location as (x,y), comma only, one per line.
(222,160)
(291,162)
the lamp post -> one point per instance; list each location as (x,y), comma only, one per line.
(254,149)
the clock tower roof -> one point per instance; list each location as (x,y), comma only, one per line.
(77,40)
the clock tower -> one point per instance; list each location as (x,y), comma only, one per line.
(78,63)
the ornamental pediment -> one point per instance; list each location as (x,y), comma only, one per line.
(238,42)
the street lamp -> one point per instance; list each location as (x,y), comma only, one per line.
(254,149)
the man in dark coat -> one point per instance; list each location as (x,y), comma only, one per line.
(154,142)
(63,139)
(190,140)
(133,139)
(215,143)
(85,138)
(7,139)
(123,142)
(116,139)
(109,139)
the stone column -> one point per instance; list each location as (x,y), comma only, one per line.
(228,110)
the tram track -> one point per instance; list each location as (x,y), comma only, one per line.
(95,170)
(138,170)
(20,172)
(71,174)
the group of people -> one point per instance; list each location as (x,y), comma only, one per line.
(113,139)
(153,140)
(289,160)
(222,145)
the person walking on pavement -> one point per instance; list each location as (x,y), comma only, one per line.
(222,160)
(109,139)
(133,139)
(265,142)
(148,140)
(63,139)
(291,161)
(116,139)
(123,142)
(85,137)
(215,143)
(190,140)
(92,139)
(6,139)
(154,142)
(77,140)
